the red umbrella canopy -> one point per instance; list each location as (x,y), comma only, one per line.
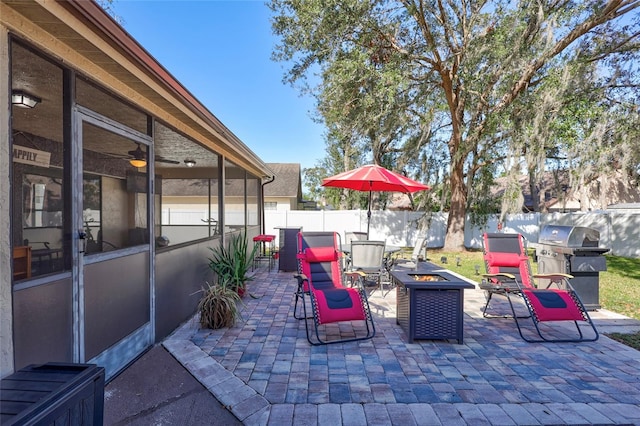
(372,177)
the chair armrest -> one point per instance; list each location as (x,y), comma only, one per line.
(505,282)
(356,276)
(301,278)
(557,279)
(502,274)
(555,276)
(353,273)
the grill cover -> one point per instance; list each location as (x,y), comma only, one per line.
(569,236)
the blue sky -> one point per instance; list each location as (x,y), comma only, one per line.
(220,51)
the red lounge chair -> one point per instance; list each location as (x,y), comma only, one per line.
(509,274)
(321,278)
(304,241)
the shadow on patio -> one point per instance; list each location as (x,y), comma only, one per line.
(265,371)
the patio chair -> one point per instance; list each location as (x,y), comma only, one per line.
(419,252)
(354,236)
(419,249)
(367,258)
(321,278)
(305,240)
(509,274)
(350,236)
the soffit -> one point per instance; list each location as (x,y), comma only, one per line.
(133,74)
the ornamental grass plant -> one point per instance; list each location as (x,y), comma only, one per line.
(232,262)
(218,307)
(231,265)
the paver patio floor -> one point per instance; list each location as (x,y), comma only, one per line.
(266,372)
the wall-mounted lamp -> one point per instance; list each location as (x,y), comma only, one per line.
(24,100)
(190,163)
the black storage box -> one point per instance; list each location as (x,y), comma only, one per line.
(53,393)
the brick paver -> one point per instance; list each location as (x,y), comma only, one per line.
(267,373)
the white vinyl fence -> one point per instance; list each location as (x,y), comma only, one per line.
(619,229)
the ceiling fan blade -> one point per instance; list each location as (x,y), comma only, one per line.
(166,160)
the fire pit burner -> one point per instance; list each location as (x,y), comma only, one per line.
(427,277)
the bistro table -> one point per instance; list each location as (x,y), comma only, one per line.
(388,250)
(429,301)
(387,261)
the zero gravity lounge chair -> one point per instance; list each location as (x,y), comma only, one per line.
(321,278)
(509,274)
(311,240)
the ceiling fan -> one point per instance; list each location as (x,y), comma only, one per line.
(138,158)
(139,154)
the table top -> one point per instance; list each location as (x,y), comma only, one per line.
(46,252)
(346,248)
(405,275)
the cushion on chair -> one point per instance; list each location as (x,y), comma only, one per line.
(506,260)
(320,254)
(333,305)
(551,299)
(338,299)
(554,305)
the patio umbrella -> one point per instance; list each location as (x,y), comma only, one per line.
(372,177)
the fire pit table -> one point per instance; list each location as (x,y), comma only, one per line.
(429,302)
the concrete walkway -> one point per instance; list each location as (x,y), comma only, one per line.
(265,372)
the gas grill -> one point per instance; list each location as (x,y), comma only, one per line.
(573,250)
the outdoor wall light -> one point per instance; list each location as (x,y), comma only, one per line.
(24,100)
(190,163)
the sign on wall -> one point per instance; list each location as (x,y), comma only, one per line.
(30,156)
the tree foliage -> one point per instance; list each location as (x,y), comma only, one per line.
(456,92)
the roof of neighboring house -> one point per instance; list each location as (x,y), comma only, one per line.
(608,189)
(551,184)
(624,206)
(600,192)
(287,183)
(399,201)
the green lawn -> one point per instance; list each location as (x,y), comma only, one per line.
(619,285)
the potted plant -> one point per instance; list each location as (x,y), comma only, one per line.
(231,263)
(218,307)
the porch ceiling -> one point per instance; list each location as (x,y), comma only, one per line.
(105,52)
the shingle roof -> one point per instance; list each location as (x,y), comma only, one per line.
(287,181)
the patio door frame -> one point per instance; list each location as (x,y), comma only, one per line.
(124,351)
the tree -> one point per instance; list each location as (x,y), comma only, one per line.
(462,65)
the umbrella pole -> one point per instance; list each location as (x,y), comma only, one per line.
(369,215)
